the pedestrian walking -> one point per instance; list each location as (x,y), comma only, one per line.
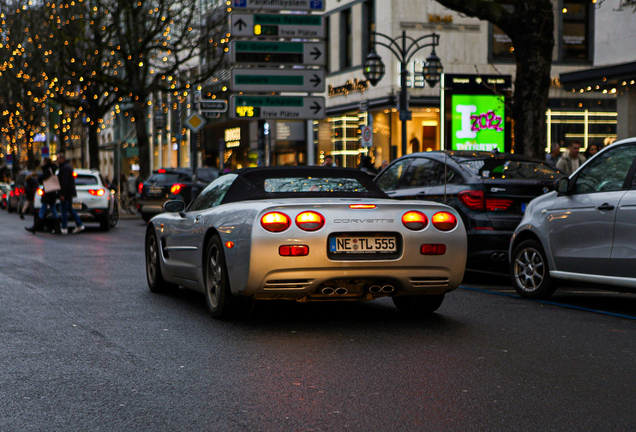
(67,193)
(555,154)
(367,166)
(49,197)
(30,187)
(572,159)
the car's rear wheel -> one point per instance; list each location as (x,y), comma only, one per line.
(218,295)
(113,217)
(418,306)
(529,271)
(156,282)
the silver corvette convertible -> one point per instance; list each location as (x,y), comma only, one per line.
(307,234)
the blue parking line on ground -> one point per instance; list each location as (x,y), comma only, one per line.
(550,303)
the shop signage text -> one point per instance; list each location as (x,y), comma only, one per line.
(277,107)
(351,86)
(233,137)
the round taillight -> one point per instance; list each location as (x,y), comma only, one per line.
(310,221)
(414,220)
(275,221)
(444,221)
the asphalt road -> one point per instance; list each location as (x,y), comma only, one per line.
(85,346)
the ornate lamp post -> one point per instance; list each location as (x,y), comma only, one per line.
(374,67)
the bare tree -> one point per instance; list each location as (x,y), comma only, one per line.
(530,26)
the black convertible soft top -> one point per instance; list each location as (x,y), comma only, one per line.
(251,183)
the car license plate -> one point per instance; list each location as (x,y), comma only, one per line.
(523,207)
(77,206)
(357,245)
(155,190)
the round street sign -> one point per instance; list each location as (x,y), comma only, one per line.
(367,136)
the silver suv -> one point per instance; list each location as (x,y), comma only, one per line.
(584,231)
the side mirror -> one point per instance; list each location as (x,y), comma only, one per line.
(562,186)
(175,206)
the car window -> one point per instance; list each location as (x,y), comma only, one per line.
(164,178)
(86,180)
(213,194)
(506,169)
(389,178)
(423,172)
(206,175)
(607,171)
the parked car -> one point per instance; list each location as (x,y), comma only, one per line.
(171,184)
(490,192)
(95,202)
(5,190)
(305,234)
(585,231)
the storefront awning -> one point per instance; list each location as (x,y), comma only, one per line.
(600,78)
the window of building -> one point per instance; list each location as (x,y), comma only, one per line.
(500,42)
(346,39)
(575,30)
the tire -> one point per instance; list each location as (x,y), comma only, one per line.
(104,224)
(529,271)
(218,295)
(156,282)
(113,218)
(418,306)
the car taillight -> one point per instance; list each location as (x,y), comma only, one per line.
(161,171)
(140,187)
(176,188)
(97,192)
(414,220)
(444,221)
(4,196)
(493,204)
(74,174)
(40,192)
(275,221)
(310,221)
(362,206)
(473,199)
(11,193)
(293,250)
(433,249)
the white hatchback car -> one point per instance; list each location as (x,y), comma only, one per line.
(95,202)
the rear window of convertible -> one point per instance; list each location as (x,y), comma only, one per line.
(313,184)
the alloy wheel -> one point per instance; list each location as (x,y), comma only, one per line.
(529,269)
(214,276)
(151,260)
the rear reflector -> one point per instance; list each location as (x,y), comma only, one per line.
(141,187)
(433,249)
(310,221)
(362,206)
(444,221)
(275,221)
(414,220)
(293,250)
(229,244)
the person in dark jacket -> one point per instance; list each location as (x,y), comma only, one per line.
(30,187)
(48,200)
(67,193)
(367,166)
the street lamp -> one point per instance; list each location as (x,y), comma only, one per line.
(374,67)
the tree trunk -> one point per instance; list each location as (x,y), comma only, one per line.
(143,138)
(93,146)
(534,44)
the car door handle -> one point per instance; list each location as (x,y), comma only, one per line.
(605,206)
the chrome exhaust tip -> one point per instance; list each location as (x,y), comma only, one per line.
(374,289)
(341,291)
(494,256)
(328,291)
(388,289)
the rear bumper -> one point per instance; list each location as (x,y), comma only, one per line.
(151,206)
(488,250)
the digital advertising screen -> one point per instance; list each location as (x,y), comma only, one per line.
(478,122)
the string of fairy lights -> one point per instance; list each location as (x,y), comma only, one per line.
(87,60)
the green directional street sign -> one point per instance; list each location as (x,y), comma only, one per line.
(277,25)
(278,80)
(278,53)
(277,107)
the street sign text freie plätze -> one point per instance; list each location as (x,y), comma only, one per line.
(278,5)
(277,25)
(278,53)
(277,107)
